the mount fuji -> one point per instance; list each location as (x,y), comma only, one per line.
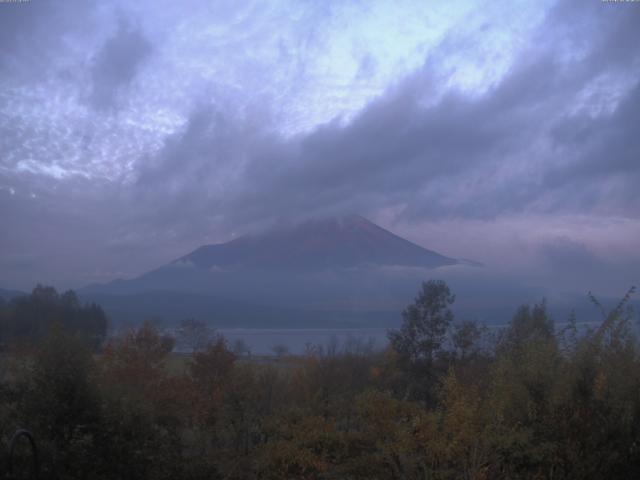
(347,266)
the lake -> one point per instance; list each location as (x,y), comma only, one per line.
(261,341)
(296,340)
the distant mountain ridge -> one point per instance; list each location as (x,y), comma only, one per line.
(8,294)
(344,242)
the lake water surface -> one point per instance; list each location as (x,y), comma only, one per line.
(296,341)
(263,341)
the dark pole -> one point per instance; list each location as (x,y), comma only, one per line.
(12,445)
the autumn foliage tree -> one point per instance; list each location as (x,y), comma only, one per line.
(420,341)
(441,402)
(136,360)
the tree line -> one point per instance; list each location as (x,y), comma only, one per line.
(445,400)
(29,318)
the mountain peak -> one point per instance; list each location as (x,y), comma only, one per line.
(335,242)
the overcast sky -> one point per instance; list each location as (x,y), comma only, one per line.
(504,132)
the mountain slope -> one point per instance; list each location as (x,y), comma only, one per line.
(346,242)
(9,294)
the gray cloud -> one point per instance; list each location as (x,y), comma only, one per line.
(569,255)
(191,160)
(116,63)
(514,148)
(34,33)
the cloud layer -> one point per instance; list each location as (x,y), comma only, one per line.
(130,134)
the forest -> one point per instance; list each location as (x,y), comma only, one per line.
(446,399)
